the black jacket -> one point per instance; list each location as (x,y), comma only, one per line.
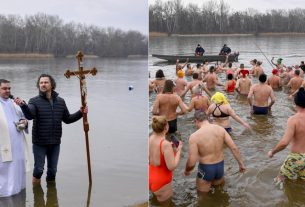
(47,118)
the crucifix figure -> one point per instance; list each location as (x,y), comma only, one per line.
(81,74)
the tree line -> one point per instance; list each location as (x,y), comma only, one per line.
(48,34)
(217,17)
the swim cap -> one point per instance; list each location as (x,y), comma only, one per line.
(219,98)
(279,60)
(275,71)
(180,74)
(299,98)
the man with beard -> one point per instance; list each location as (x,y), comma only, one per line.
(48,111)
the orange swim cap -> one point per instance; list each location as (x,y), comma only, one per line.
(180,74)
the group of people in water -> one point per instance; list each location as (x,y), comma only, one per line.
(206,144)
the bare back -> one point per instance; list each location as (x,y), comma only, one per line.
(261,93)
(298,132)
(210,142)
(295,83)
(243,85)
(274,81)
(168,104)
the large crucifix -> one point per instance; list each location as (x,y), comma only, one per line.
(81,74)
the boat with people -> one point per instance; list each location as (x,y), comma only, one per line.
(233,57)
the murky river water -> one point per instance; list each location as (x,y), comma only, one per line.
(255,187)
(118,130)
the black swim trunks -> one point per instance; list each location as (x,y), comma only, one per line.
(172,126)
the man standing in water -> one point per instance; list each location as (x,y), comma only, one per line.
(48,110)
(206,145)
(294,165)
(261,92)
(166,105)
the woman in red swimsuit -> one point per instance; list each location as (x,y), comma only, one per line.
(230,83)
(163,159)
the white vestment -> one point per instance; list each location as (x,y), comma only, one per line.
(12,167)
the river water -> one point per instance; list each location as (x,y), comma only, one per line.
(118,130)
(254,187)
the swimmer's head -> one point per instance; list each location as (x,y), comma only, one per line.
(198,65)
(180,74)
(230,76)
(159,123)
(275,71)
(197,89)
(242,65)
(188,65)
(160,74)
(259,63)
(262,78)
(168,86)
(279,61)
(212,69)
(195,76)
(297,72)
(299,98)
(219,98)
(200,116)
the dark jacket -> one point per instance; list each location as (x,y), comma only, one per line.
(47,118)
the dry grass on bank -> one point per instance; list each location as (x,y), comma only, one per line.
(25,55)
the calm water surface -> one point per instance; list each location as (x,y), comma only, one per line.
(255,187)
(118,130)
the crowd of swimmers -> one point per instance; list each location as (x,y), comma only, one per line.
(211,118)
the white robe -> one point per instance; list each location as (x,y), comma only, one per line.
(12,173)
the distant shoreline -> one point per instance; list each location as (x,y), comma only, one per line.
(51,56)
(160,34)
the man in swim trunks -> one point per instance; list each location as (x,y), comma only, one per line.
(206,145)
(211,79)
(294,165)
(166,105)
(261,93)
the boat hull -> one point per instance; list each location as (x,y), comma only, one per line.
(199,59)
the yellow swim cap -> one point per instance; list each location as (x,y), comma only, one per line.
(219,98)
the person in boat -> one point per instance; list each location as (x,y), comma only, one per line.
(163,160)
(261,92)
(225,50)
(206,145)
(221,110)
(199,50)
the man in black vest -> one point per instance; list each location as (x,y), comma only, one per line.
(48,111)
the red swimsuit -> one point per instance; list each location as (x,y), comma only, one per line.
(159,175)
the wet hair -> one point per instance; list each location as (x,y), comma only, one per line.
(212,69)
(259,62)
(254,61)
(200,116)
(230,76)
(198,65)
(297,72)
(230,65)
(53,83)
(205,61)
(188,65)
(158,123)
(299,98)
(168,86)
(4,81)
(242,65)
(195,75)
(262,78)
(160,74)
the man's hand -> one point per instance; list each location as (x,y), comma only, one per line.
(19,101)
(84,110)
(270,154)
(242,168)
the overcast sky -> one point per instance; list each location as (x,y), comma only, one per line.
(123,14)
(260,5)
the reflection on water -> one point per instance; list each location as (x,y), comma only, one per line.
(255,187)
(17,200)
(51,195)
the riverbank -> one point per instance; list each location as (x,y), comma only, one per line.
(25,55)
(160,34)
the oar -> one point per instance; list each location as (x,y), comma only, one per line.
(263,54)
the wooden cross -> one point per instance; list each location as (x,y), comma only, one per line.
(81,74)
